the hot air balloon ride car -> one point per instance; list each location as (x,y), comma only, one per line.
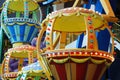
(20,20)
(79,45)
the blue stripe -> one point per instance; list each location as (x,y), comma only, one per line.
(12,33)
(22,32)
(30,33)
(98,7)
(88,5)
(34,33)
(80,41)
(96,33)
(103,40)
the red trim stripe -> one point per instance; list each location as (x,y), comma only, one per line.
(81,71)
(61,71)
(98,71)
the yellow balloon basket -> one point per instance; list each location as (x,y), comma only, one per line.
(79,45)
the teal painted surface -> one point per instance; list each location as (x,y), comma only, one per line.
(1,45)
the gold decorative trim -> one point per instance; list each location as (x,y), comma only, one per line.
(76,60)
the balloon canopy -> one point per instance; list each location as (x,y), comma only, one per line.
(20,20)
(18,5)
(78,44)
(81,27)
(19,53)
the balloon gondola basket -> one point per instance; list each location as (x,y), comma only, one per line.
(20,22)
(78,44)
(21,53)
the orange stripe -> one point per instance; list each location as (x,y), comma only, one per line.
(90,71)
(68,72)
(73,70)
(54,72)
(62,40)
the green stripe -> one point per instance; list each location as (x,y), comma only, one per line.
(26,11)
(18,14)
(27,30)
(1,45)
(17,32)
(34,15)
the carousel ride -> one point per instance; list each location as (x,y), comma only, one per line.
(75,45)
(78,42)
(21,24)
